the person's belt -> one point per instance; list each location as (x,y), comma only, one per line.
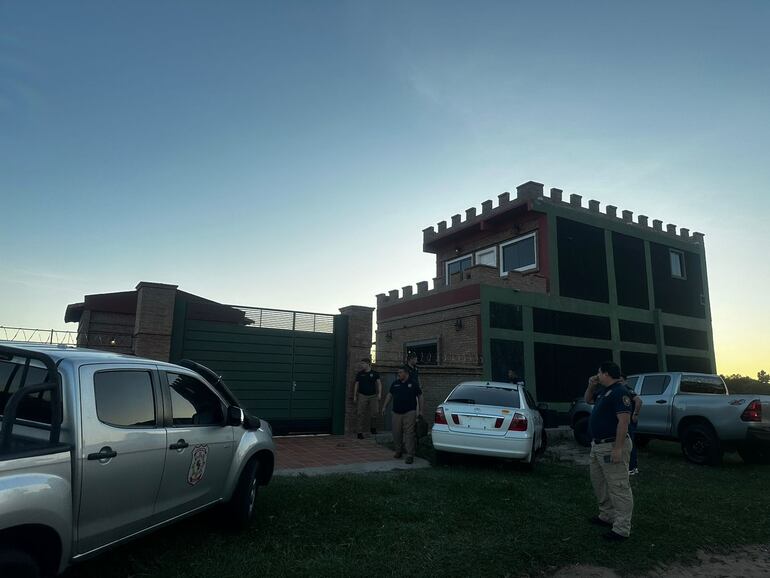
(604,440)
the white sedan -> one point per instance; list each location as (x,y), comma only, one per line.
(489,418)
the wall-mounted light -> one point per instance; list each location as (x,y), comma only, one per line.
(458,324)
(388,336)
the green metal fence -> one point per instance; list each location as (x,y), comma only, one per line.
(284,366)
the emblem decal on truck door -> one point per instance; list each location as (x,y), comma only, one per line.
(198,464)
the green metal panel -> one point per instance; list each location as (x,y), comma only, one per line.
(340,373)
(285,376)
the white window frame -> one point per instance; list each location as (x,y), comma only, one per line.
(488,250)
(681,264)
(448,263)
(533,267)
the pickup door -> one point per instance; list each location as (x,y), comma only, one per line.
(200,445)
(656,391)
(123,450)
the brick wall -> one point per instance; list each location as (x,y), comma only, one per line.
(458,347)
(436,383)
(359,347)
(107,331)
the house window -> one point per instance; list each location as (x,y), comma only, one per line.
(519,254)
(426,351)
(458,265)
(487,257)
(677,264)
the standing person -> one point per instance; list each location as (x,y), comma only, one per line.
(407,405)
(367,393)
(411,368)
(514,378)
(610,451)
(633,463)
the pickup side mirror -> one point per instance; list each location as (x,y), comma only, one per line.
(235,416)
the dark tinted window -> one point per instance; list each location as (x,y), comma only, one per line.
(485,395)
(573,324)
(458,266)
(702,384)
(192,402)
(637,331)
(519,255)
(427,353)
(36,407)
(655,384)
(683,337)
(505,316)
(125,398)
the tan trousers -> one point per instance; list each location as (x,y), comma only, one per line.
(403,432)
(612,487)
(368,406)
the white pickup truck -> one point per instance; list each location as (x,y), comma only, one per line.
(98,448)
(697,410)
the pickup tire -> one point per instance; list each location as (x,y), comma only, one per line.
(580,431)
(242,505)
(18,563)
(701,445)
(754,454)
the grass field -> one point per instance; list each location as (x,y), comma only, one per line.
(472,518)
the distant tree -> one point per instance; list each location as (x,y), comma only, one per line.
(763,376)
(745,385)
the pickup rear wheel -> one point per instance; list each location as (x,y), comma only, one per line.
(701,446)
(18,563)
(580,430)
(244,501)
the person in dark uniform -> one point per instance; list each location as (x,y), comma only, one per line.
(514,378)
(610,451)
(411,368)
(407,405)
(367,393)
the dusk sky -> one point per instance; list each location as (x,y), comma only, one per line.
(289,154)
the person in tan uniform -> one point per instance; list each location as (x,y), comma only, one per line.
(611,451)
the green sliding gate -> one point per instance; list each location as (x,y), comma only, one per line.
(287,367)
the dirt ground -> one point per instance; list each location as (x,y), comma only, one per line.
(749,562)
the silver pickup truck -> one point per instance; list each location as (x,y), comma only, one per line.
(696,410)
(98,448)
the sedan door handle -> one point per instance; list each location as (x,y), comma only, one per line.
(105,453)
(180,445)
(661,401)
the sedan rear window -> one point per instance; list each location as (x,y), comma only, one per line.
(485,395)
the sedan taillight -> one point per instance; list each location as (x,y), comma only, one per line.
(753,412)
(518,423)
(439,417)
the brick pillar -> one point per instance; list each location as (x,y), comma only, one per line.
(154,320)
(359,347)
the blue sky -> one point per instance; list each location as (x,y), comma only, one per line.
(289,154)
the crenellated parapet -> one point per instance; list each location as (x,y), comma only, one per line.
(478,274)
(531,191)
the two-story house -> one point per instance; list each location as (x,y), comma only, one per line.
(550,288)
